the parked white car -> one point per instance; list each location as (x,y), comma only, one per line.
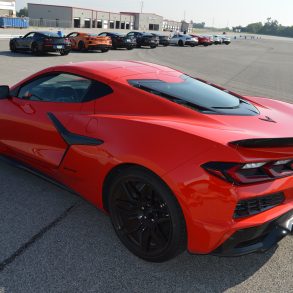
(184,40)
(226,40)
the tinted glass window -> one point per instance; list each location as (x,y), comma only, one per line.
(56,88)
(63,87)
(196,94)
(51,35)
(29,35)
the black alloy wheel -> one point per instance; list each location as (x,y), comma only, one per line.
(81,47)
(64,52)
(35,49)
(12,47)
(146,216)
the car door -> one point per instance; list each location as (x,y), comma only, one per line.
(27,129)
(73,39)
(27,41)
(22,43)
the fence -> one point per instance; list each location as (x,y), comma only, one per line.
(59,23)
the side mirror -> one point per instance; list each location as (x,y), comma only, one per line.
(4,92)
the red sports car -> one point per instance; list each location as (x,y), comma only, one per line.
(203,40)
(177,162)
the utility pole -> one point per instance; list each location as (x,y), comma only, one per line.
(184,18)
(141,6)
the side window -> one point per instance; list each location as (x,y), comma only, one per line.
(30,35)
(103,35)
(72,35)
(63,88)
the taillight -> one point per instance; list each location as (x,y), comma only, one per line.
(241,173)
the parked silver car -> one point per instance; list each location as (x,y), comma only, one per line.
(226,40)
(184,40)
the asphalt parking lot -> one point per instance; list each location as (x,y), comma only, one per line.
(53,241)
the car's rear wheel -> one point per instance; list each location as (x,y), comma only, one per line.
(35,49)
(180,43)
(64,52)
(104,50)
(129,48)
(145,214)
(81,47)
(192,45)
(153,46)
(12,47)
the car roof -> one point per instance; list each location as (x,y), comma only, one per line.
(116,70)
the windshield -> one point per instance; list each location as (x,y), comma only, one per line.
(195,94)
(50,34)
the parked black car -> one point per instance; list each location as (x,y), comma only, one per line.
(120,40)
(41,42)
(163,40)
(144,39)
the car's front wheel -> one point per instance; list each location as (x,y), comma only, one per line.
(146,215)
(12,47)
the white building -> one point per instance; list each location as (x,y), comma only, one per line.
(7,8)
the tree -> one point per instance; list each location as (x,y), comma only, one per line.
(254,28)
(22,12)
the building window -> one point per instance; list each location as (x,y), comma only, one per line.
(127,25)
(99,24)
(76,22)
(57,22)
(154,27)
(112,24)
(117,25)
(122,25)
(87,23)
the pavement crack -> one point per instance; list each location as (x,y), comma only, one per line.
(22,249)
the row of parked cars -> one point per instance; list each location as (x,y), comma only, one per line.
(40,42)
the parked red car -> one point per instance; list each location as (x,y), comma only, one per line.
(177,162)
(203,40)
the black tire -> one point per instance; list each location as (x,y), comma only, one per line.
(153,46)
(138,46)
(192,45)
(81,47)
(35,49)
(180,43)
(12,47)
(129,48)
(64,53)
(146,215)
(104,50)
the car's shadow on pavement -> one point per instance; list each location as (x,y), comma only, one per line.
(81,253)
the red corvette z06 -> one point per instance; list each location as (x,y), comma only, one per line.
(178,163)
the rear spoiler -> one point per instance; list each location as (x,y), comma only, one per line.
(264,142)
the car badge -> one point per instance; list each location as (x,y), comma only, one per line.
(268,119)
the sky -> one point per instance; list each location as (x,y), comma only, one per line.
(217,13)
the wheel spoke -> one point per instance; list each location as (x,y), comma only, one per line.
(163,220)
(158,236)
(126,204)
(144,238)
(130,191)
